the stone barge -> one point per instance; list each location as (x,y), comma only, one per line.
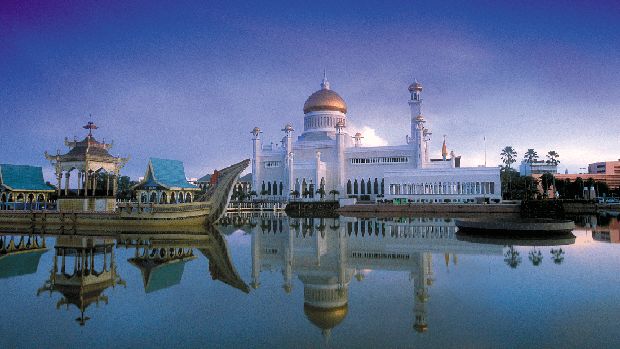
(207,208)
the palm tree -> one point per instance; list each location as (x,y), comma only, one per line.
(531,156)
(552,157)
(334,192)
(557,256)
(536,257)
(508,155)
(512,257)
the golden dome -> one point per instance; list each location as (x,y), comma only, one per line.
(416,86)
(325,99)
(326,319)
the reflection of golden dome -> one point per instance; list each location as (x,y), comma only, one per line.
(421,327)
(325,319)
(325,99)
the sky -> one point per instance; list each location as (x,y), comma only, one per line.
(188,80)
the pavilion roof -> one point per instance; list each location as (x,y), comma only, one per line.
(90,147)
(20,263)
(158,276)
(23,177)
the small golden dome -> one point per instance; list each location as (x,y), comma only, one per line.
(325,99)
(326,318)
(421,328)
(416,86)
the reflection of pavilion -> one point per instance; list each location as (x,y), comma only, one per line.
(161,260)
(87,268)
(20,255)
(325,253)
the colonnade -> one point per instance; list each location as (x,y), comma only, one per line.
(87,183)
(23,201)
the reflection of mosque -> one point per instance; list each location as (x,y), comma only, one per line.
(85,267)
(326,253)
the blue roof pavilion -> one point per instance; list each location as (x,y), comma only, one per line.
(165,182)
(23,178)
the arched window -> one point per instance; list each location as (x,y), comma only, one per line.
(143,198)
(281,187)
(163,198)
(355,187)
(382,186)
(363,187)
(268,188)
(173,198)
(275,188)
(180,197)
(376,185)
(153,197)
(369,186)
(188,197)
(349,189)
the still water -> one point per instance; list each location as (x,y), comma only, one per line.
(273,281)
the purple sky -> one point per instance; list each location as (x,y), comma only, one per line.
(188,81)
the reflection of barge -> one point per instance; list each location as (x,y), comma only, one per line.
(511,227)
(206,208)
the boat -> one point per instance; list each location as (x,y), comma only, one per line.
(206,208)
(515,227)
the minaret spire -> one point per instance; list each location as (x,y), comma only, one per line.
(325,83)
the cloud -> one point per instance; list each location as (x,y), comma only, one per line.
(371,138)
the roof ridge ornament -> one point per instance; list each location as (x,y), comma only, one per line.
(90,126)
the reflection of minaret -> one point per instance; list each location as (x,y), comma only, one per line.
(256,256)
(94,270)
(287,271)
(421,282)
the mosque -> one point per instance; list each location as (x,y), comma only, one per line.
(325,160)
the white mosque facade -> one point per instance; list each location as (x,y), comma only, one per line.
(327,161)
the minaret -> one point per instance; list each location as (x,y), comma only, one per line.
(340,148)
(358,139)
(256,157)
(288,158)
(418,136)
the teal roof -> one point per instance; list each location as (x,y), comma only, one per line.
(168,173)
(246,178)
(204,179)
(23,177)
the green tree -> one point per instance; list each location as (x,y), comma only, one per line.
(321,192)
(531,156)
(334,192)
(546,182)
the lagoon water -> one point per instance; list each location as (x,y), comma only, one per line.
(273,281)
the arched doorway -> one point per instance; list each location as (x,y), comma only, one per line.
(163,198)
(173,198)
(188,197)
(153,197)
